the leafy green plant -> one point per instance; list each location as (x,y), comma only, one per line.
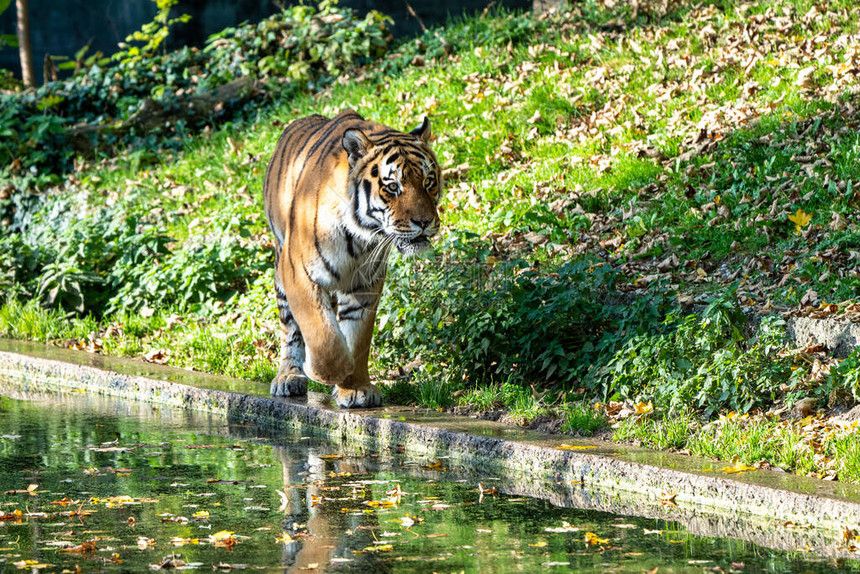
(152,34)
(701,360)
(846,376)
(302,48)
(511,326)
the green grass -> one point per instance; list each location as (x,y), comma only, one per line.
(579,167)
(582,418)
(805,447)
(669,433)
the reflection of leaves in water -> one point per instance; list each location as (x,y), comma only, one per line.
(391,516)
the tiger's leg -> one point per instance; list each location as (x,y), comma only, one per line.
(290,380)
(356,313)
(327,358)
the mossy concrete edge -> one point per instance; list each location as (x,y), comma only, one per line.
(595,481)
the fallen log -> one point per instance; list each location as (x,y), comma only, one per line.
(195,109)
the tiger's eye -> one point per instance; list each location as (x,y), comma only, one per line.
(429,182)
(392,187)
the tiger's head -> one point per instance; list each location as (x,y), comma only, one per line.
(394,184)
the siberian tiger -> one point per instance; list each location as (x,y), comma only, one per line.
(338,194)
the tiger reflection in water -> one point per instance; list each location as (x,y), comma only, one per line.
(323,536)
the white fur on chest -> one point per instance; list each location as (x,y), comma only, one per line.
(337,268)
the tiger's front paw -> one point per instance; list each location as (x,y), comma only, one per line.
(366,396)
(289,385)
(330,368)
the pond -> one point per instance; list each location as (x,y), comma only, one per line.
(102,485)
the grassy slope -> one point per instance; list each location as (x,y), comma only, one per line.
(670,149)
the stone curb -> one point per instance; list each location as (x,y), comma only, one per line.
(840,337)
(600,476)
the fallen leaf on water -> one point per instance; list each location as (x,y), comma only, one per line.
(591,539)
(575,447)
(737,467)
(31,564)
(223,538)
(539,544)
(31,490)
(565,527)
(168,562)
(379,503)
(82,548)
(489,491)
(143,542)
(15,515)
(379,548)
(408,521)
(285,501)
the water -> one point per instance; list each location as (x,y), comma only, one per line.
(129,487)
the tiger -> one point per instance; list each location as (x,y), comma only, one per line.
(338,194)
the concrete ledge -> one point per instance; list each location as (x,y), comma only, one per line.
(841,337)
(754,506)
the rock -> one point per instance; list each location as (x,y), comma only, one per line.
(804,408)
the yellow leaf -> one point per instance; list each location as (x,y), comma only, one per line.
(408,521)
(538,544)
(642,408)
(575,447)
(592,539)
(284,537)
(222,535)
(738,467)
(379,548)
(800,220)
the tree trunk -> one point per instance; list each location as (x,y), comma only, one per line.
(24,51)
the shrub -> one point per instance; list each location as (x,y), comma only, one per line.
(701,360)
(102,260)
(301,48)
(509,325)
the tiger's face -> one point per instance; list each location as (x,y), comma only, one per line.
(395,186)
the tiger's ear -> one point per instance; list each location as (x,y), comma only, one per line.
(356,145)
(423,131)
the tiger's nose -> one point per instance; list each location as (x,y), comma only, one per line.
(422,223)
